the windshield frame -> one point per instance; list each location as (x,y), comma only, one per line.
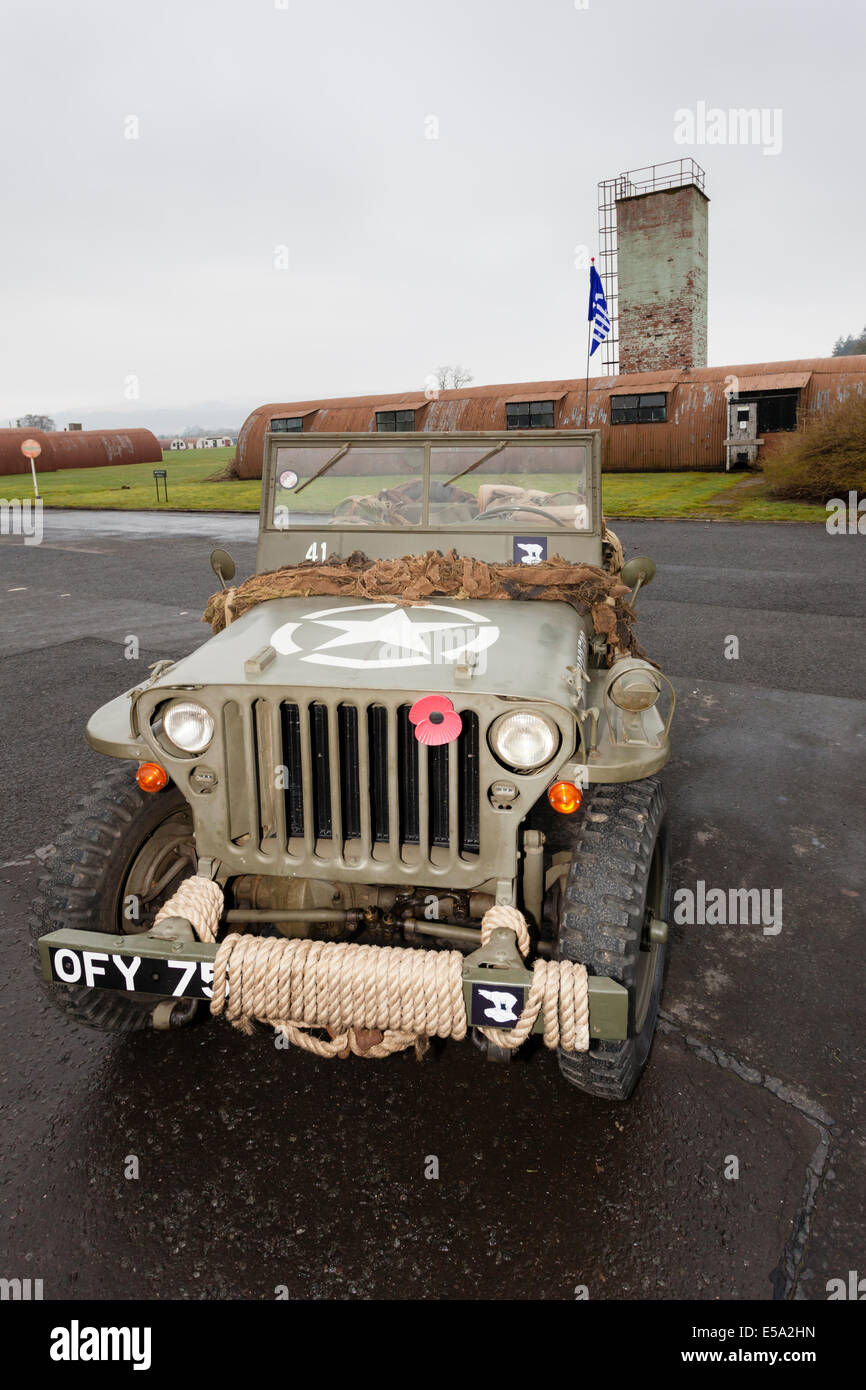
(588,439)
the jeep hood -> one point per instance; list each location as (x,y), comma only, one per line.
(518,648)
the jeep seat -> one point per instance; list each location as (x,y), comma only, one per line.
(492,495)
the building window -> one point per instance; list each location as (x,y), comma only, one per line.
(634,410)
(777,410)
(529,415)
(393,421)
(293,425)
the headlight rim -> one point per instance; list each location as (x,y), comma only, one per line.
(523,768)
(163,736)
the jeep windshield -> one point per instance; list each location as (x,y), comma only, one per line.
(488,484)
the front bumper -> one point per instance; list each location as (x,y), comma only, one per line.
(150,965)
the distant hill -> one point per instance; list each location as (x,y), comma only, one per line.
(214,417)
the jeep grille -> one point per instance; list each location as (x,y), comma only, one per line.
(348,782)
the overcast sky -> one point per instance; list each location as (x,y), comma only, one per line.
(304,124)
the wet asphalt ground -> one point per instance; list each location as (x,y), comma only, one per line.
(262,1169)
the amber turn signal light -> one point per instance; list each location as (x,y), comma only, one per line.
(565,797)
(151,777)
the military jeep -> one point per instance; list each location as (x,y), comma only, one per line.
(353,764)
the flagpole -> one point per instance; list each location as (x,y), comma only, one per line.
(588,344)
(586,396)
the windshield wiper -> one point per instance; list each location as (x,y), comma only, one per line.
(324,468)
(477,464)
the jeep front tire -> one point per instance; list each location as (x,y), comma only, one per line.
(618,882)
(121,847)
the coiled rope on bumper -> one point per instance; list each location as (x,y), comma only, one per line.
(294,984)
(200,901)
(559,987)
(405,996)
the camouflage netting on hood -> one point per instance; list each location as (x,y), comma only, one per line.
(413,578)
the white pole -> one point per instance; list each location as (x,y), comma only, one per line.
(35,484)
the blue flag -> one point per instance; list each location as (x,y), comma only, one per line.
(598,315)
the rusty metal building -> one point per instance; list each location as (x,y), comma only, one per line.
(649,421)
(78,449)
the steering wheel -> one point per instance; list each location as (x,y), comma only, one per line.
(508,508)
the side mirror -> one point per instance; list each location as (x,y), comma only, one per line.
(636,572)
(223,566)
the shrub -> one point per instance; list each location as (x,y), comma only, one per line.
(826,459)
(227,474)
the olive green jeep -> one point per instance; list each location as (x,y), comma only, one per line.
(426,706)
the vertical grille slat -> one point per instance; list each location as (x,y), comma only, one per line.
(350,776)
(407,761)
(268,758)
(306,782)
(252,762)
(453,821)
(377,734)
(423,800)
(320,768)
(437,768)
(275,718)
(278,797)
(393,766)
(293,796)
(337,775)
(364,783)
(469,775)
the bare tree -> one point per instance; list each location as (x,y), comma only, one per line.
(460,376)
(452,377)
(36,422)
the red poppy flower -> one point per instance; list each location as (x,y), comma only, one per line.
(436,720)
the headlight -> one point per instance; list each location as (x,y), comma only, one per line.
(635,690)
(188,725)
(523,739)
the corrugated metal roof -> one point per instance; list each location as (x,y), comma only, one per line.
(692,436)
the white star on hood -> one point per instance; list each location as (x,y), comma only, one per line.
(393,629)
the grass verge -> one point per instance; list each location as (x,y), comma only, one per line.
(131,487)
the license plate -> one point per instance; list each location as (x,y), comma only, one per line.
(179,979)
